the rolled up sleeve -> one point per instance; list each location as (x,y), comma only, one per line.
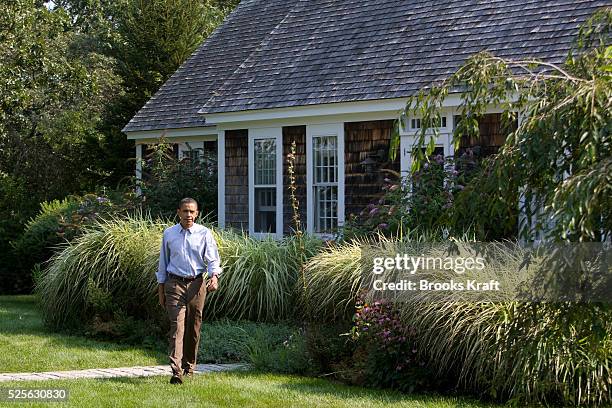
(211,255)
(163,262)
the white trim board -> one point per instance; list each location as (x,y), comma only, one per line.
(388,106)
(174,133)
(311,120)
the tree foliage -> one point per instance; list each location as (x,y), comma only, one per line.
(51,100)
(72,73)
(152,38)
(558,162)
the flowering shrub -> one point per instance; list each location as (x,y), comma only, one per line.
(386,354)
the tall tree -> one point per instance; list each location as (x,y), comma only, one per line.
(154,38)
(51,100)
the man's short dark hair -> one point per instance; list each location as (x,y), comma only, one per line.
(188,200)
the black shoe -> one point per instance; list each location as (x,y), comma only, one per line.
(177,378)
(187,373)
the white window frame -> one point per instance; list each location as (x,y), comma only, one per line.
(324,130)
(266,133)
(408,138)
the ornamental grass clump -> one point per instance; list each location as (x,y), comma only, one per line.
(109,271)
(260,277)
(110,268)
(332,281)
(527,352)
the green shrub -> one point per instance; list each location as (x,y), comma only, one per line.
(42,233)
(166,180)
(227,341)
(288,355)
(329,347)
(386,352)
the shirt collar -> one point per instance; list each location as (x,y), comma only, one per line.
(191,230)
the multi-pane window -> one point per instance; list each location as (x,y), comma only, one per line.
(265,185)
(325,183)
(415,123)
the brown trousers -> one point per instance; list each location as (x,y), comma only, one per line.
(184,304)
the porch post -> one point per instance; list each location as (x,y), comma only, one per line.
(138,168)
(221,179)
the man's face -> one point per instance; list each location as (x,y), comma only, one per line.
(187,214)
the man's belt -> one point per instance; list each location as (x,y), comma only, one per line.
(184,278)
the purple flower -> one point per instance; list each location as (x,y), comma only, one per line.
(383,225)
(374,211)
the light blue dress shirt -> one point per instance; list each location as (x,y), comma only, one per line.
(188,253)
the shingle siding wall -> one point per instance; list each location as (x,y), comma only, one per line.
(297,134)
(236,180)
(361,140)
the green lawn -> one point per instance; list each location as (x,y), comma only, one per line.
(235,389)
(25,344)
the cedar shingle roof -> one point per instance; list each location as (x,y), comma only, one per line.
(326,51)
(176,103)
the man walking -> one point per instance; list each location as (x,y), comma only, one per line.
(188,252)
